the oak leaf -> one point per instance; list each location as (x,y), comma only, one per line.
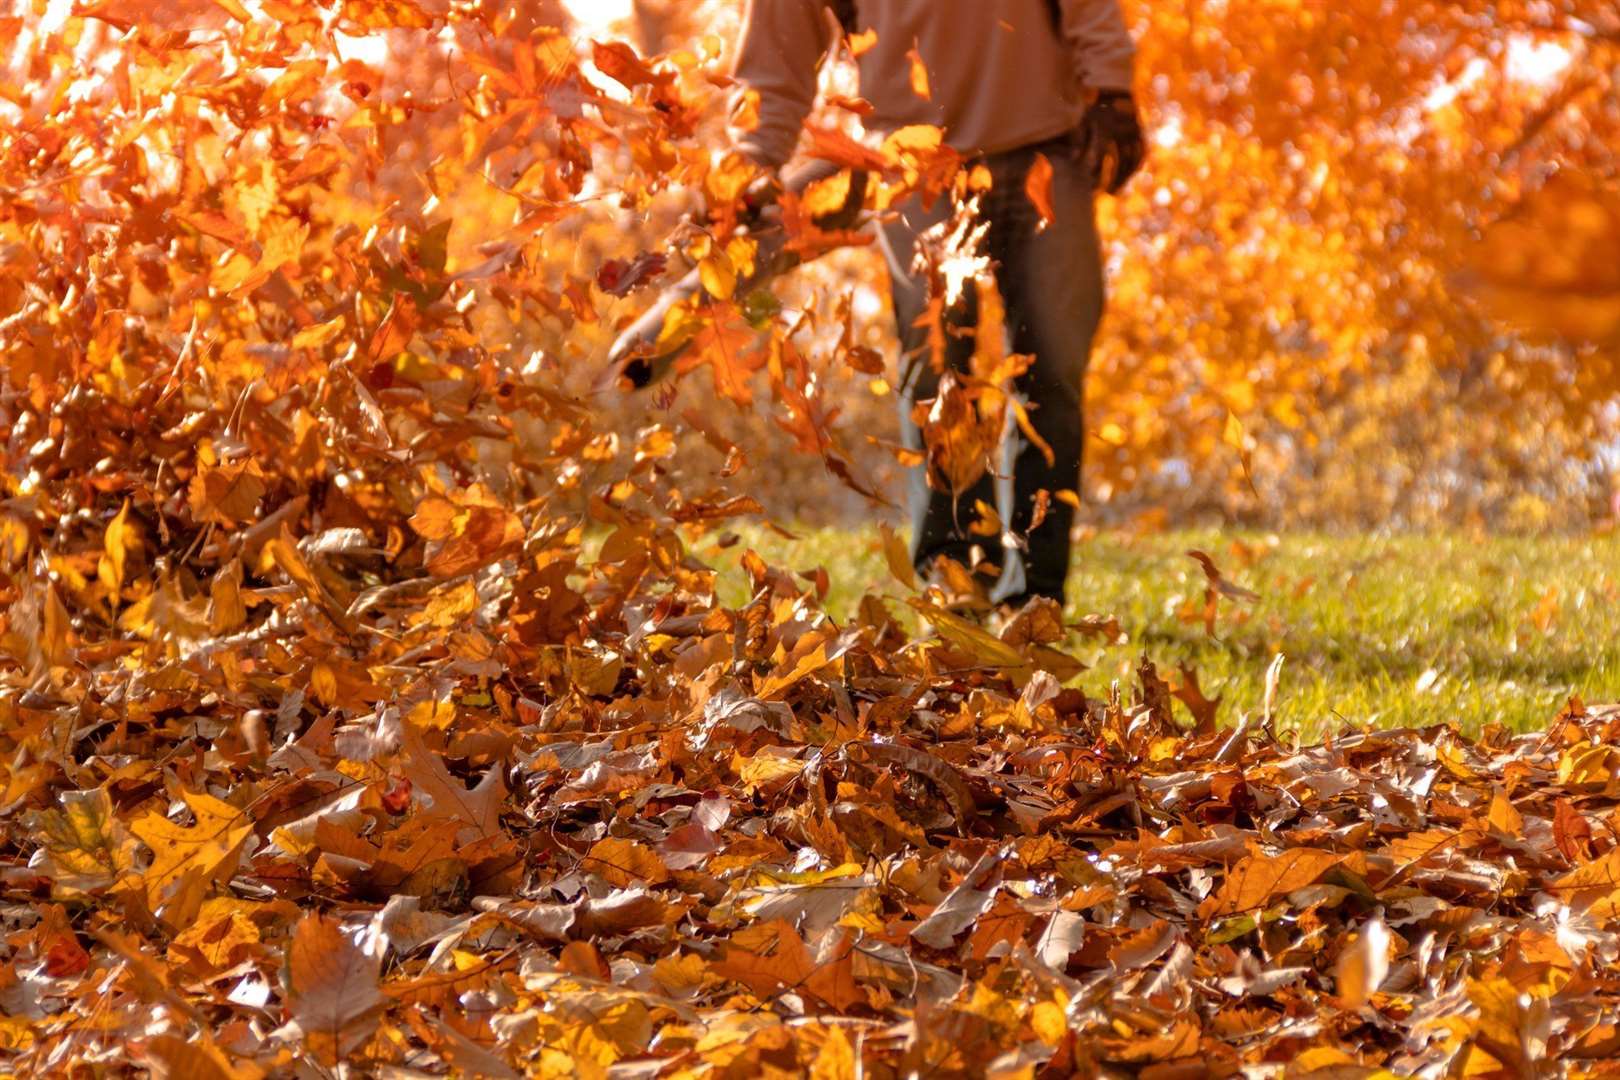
(447,797)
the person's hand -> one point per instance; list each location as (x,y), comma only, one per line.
(761,196)
(1111,140)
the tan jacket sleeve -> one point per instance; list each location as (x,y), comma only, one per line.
(1102,47)
(779,53)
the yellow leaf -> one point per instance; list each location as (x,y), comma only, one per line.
(226,494)
(226,611)
(1505,817)
(680,975)
(898,558)
(86,847)
(187,860)
(1049,1022)
(815,651)
(836,1058)
(719,277)
(223,934)
(56,625)
(765,770)
(314,337)
(120,540)
(323,684)
(1452,759)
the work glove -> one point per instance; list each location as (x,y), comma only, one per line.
(1111,143)
(761,196)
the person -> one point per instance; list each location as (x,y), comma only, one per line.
(1008,81)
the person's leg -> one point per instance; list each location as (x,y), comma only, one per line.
(939,523)
(1051,283)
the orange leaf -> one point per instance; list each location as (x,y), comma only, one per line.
(625,863)
(919,75)
(332,989)
(1255,880)
(1038,186)
(226,494)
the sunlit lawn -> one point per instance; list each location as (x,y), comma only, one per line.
(1402,630)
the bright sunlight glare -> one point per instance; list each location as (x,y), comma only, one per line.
(599,16)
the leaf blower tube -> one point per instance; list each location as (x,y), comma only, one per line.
(635,355)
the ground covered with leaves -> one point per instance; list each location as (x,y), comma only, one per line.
(1395,630)
(696,840)
(367,709)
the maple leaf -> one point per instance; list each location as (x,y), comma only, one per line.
(223,935)
(188,860)
(83,846)
(729,348)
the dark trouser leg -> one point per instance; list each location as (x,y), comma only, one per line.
(939,523)
(1051,282)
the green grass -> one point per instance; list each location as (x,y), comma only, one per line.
(1393,631)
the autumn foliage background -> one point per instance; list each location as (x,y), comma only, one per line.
(367,700)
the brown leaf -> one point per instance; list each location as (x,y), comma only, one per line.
(1572,833)
(959,909)
(1218,581)
(1190,694)
(332,989)
(478,808)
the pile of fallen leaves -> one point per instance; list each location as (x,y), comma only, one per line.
(380,830)
(365,709)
